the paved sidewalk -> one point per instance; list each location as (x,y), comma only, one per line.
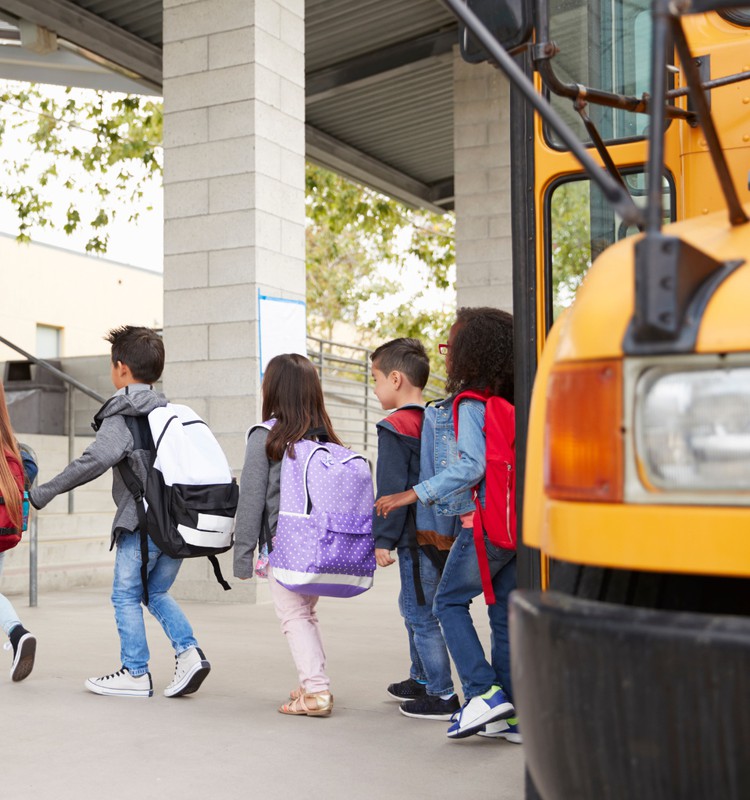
(227,740)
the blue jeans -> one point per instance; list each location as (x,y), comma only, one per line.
(127,593)
(429,657)
(460,584)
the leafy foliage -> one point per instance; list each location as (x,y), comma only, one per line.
(360,243)
(571,240)
(70,134)
(379,240)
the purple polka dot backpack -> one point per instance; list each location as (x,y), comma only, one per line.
(324,543)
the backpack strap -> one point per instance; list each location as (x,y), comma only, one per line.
(142,440)
(479,545)
(135,487)
(217,573)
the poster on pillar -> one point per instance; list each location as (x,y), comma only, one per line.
(282,327)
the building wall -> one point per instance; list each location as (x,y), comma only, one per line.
(82,295)
(482,184)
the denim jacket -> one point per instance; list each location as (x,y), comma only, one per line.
(457,465)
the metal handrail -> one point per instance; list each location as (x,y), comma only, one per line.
(344,372)
(72,383)
(55,371)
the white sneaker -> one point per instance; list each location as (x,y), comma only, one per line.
(478,712)
(191,669)
(503,729)
(122,683)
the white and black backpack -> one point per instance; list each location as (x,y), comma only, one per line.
(190,499)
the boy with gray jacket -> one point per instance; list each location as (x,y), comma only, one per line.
(137,362)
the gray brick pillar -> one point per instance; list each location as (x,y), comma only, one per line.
(482,185)
(234,182)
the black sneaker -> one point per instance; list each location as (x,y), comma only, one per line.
(430,707)
(24,650)
(407,690)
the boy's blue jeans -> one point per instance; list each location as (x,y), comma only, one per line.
(460,584)
(429,657)
(127,592)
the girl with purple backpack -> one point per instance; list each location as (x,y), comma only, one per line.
(293,398)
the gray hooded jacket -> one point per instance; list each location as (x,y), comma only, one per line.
(113,442)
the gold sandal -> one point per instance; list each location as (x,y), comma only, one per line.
(295,693)
(318,704)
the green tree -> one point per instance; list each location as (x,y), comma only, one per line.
(571,240)
(360,243)
(70,134)
(378,239)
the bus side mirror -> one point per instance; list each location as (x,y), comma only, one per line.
(509,21)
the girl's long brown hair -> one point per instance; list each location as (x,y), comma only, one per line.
(8,486)
(293,396)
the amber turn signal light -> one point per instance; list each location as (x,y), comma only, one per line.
(583,447)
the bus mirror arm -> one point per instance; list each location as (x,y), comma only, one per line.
(601,148)
(613,191)
(543,53)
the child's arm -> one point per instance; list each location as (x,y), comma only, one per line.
(113,442)
(252,503)
(390,502)
(392,475)
(469,470)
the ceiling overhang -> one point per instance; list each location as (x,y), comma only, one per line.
(379,102)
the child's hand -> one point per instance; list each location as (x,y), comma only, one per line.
(386,504)
(383,557)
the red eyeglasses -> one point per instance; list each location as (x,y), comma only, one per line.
(443,349)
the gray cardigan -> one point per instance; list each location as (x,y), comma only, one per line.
(113,442)
(260,484)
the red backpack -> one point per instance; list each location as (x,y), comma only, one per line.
(10,536)
(498,516)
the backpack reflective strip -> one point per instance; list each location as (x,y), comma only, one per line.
(295,577)
(201,538)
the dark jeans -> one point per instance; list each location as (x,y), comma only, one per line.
(460,584)
(429,657)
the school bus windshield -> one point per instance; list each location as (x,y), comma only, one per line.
(603,45)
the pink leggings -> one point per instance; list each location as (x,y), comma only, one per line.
(299,623)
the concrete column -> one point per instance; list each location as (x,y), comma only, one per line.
(482,185)
(234,183)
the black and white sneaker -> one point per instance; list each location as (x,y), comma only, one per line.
(430,707)
(407,690)
(24,651)
(191,669)
(122,684)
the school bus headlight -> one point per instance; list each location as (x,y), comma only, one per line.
(583,447)
(692,428)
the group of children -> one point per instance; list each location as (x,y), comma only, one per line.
(427,475)
(426,479)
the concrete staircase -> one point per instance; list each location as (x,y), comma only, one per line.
(73,549)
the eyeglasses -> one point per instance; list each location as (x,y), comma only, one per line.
(443,349)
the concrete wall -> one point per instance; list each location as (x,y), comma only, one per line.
(82,295)
(234,196)
(482,184)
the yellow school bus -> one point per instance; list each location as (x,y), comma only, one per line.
(630,642)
